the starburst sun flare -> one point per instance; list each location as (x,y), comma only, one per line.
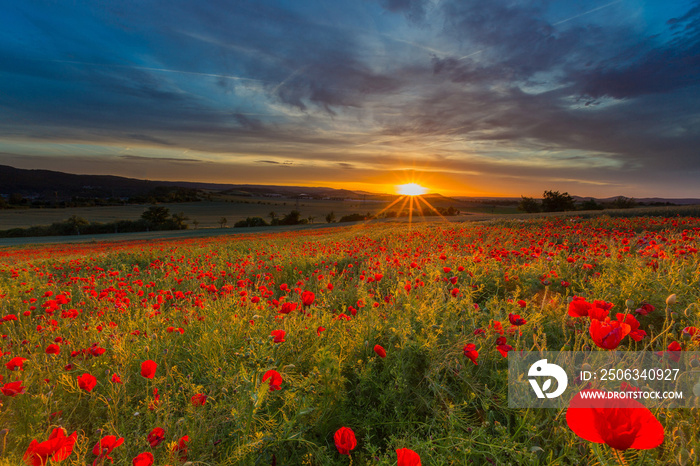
(411,189)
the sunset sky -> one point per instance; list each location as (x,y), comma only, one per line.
(483,97)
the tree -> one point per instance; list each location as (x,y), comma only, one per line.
(195,222)
(223,221)
(311,219)
(76,223)
(330,218)
(529,205)
(179,221)
(156,215)
(591,204)
(553,201)
(292,218)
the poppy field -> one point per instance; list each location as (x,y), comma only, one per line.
(378,344)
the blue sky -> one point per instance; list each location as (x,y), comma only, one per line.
(493,97)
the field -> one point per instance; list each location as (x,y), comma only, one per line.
(258,349)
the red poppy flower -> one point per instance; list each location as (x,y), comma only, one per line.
(345,440)
(16,362)
(503,349)
(471,353)
(598,313)
(116,378)
(521,303)
(673,351)
(635,333)
(307,298)
(279,335)
(148,369)
(287,308)
(691,332)
(13,388)
(180,448)
(104,447)
(608,334)
(87,382)
(156,436)
(57,448)
(319,330)
(275,379)
(515,319)
(143,459)
(198,400)
(406,457)
(53,349)
(619,423)
(579,307)
(380,351)
(645,309)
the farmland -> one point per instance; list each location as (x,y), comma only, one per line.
(260,348)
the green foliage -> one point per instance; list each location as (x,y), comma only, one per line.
(156,215)
(251,222)
(553,201)
(529,205)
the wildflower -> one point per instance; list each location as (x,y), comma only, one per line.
(579,307)
(635,333)
(645,309)
(471,353)
(406,457)
(275,379)
(345,440)
(198,400)
(148,369)
(87,382)
(16,362)
(143,459)
(515,319)
(380,351)
(57,448)
(307,298)
(279,335)
(180,448)
(287,308)
(608,334)
(12,388)
(104,447)
(155,437)
(619,423)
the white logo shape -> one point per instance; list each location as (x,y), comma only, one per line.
(542,369)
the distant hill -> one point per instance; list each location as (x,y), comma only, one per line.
(53,185)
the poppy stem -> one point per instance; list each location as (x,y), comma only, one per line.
(620,458)
(596,450)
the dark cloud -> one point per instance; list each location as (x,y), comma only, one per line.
(147,138)
(140,158)
(413,9)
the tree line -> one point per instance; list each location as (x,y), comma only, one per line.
(554,201)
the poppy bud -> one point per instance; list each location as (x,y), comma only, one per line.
(630,304)
(671,299)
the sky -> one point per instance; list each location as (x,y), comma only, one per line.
(466,97)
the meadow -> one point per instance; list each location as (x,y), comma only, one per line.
(350,345)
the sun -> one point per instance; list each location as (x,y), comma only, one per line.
(411,189)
